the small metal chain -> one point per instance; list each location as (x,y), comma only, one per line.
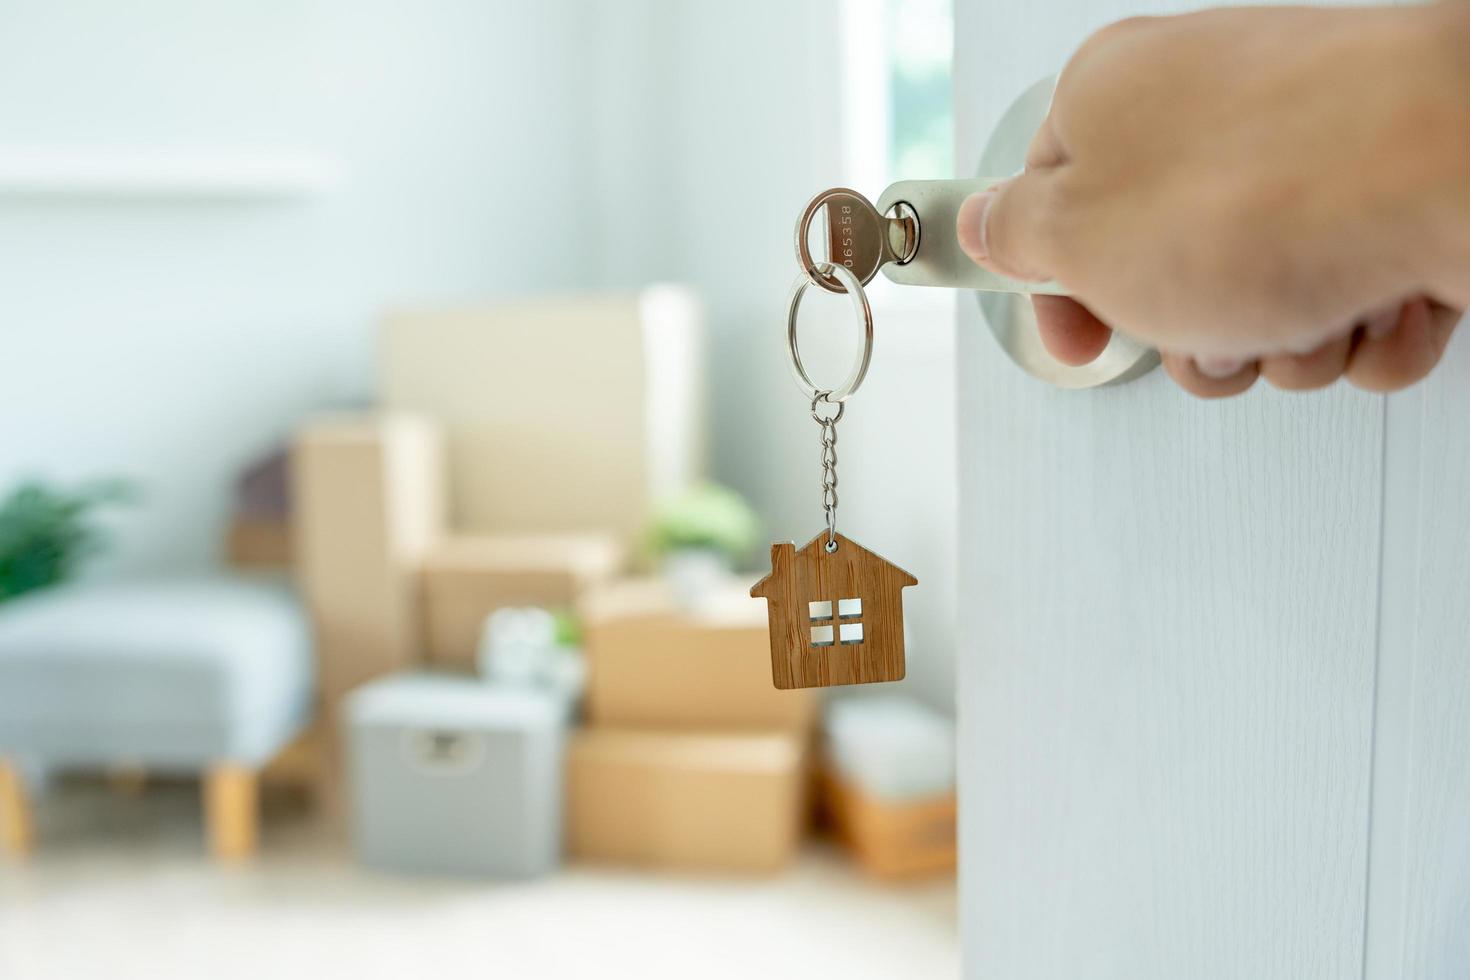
(829,464)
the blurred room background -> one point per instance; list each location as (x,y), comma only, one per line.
(432,338)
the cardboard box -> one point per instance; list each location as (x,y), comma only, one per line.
(891,838)
(368,504)
(685,800)
(258,544)
(651,664)
(467,577)
(573,413)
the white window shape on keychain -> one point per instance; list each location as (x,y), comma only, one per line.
(849,627)
(820,614)
(850,621)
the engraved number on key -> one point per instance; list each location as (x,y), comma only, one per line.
(858,236)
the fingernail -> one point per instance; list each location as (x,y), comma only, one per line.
(1218,367)
(970,224)
(1381,324)
(1444,328)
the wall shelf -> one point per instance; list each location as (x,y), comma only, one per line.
(242,175)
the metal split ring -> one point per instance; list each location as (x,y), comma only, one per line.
(864,312)
(820,399)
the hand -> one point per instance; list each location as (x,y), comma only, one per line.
(1271,191)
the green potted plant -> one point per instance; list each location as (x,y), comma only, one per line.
(700,537)
(46,532)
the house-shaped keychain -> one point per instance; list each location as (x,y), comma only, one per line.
(836,617)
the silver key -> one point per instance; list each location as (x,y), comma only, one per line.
(859,237)
(866,239)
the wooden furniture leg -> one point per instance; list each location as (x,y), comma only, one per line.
(231,805)
(16,830)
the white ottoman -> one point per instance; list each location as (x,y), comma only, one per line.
(212,676)
(454,776)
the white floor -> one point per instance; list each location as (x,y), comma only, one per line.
(119,889)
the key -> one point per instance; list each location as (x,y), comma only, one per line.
(859,236)
(866,239)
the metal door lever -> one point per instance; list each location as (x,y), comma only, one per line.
(938,260)
(910,235)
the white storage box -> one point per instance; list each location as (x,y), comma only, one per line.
(454,776)
(891,747)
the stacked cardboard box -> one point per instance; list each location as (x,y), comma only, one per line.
(692,759)
(369,504)
(569,413)
(465,578)
(651,664)
(727,802)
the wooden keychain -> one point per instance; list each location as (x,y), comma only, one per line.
(835,608)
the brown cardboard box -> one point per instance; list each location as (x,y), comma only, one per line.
(467,577)
(685,800)
(568,413)
(891,838)
(258,543)
(368,504)
(652,665)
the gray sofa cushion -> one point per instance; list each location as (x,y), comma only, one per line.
(167,674)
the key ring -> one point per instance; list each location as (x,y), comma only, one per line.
(865,319)
(820,398)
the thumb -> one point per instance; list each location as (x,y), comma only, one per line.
(1000,229)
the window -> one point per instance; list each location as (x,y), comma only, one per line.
(921,123)
(897,111)
(849,625)
(897,123)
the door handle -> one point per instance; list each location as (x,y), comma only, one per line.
(938,259)
(925,212)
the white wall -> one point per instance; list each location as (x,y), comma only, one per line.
(483,149)
(173,340)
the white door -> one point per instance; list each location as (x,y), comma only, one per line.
(1215,686)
